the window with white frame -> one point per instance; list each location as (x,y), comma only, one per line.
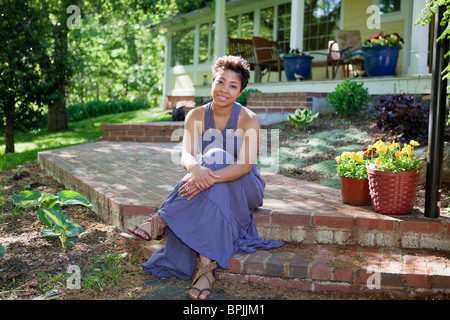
(321,20)
(206,48)
(183,47)
(241,26)
(389,6)
(284,26)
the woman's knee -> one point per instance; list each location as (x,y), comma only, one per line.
(217,158)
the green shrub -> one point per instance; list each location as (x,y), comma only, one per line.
(243,97)
(349,97)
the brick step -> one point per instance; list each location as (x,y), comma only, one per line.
(330,245)
(128,181)
(333,268)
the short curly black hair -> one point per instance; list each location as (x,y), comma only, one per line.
(236,64)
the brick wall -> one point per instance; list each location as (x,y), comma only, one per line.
(140,132)
(281,102)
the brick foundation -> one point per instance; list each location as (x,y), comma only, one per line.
(281,102)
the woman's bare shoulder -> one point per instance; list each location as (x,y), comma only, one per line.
(196,114)
(248,119)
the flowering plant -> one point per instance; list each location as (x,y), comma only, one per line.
(385,39)
(391,157)
(294,52)
(352,165)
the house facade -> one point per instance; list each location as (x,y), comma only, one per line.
(194,40)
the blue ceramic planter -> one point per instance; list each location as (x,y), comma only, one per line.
(380,60)
(300,65)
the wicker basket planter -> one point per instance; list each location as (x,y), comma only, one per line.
(392,193)
(355,191)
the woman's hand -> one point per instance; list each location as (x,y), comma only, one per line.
(200,179)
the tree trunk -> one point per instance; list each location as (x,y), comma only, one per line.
(9,128)
(57,111)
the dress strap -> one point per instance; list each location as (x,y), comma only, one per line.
(209,117)
(234,117)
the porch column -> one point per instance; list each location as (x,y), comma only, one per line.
(297,21)
(419,36)
(220,33)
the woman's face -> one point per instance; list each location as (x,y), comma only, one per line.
(226,88)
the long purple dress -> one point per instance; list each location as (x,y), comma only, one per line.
(217,222)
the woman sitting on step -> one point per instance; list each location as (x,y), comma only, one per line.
(209,215)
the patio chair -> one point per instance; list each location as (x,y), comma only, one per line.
(242,48)
(350,44)
(333,59)
(268,57)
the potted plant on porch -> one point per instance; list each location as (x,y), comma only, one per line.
(351,168)
(393,173)
(297,65)
(381,54)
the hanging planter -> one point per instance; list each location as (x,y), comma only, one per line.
(297,66)
(393,193)
(355,191)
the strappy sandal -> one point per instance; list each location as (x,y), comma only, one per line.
(204,270)
(157,226)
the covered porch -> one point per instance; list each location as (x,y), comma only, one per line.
(204,35)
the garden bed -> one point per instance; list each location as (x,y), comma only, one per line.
(34,265)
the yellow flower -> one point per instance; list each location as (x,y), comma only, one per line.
(393,145)
(338,159)
(378,161)
(407,149)
(360,156)
(414,143)
(352,156)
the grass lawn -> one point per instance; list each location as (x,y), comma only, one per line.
(27,145)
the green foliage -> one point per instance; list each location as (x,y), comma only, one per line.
(426,16)
(2,251)
(352,165)
(50,213)
(77,112)
(109,271)
(349,97)
(302,118)
(243,97)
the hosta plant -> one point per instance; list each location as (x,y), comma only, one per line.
(51,215)
(302,118)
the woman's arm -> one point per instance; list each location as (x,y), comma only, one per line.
(200,176)
(249,132)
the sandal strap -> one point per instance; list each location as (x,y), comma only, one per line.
(157,226)
(207,270)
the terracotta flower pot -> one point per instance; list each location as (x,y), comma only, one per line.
(355,191)
(392,193)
